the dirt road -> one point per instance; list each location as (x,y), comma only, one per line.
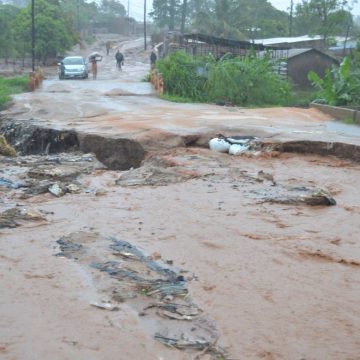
(195,249)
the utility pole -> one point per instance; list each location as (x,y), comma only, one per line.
(144,24)
(78,15)
(291,17)
(183,16)
(33,35)
(128,14)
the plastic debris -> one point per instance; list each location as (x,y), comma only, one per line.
(219,145)
(236,149)
(105,306)
(209,347)
(233,145)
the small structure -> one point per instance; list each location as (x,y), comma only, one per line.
(298,42)
(301,61)
(203,45)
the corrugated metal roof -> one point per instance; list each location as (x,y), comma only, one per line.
(287,40)
(227,42)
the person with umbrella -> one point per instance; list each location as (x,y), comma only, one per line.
(94,58)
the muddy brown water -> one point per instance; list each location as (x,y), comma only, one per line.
(272,280)
(280,281)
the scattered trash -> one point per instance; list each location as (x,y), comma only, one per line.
(237,149)
(56,190)
(160,290)
(105,306)
(233,145)
(199,345)
(219,145)
(176,311)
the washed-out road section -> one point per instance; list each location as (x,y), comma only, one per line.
(279,280)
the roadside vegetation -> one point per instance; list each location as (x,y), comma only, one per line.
(230,80)
(10,86)
(59,25)
(256,19)
(340,85)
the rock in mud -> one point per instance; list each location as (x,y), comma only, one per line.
(116,154)
(73,189)
(152,175)
(63,173)
(9,218)
(297,195)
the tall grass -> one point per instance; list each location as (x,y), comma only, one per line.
(10,86)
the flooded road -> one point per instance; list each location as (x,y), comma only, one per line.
(270,280)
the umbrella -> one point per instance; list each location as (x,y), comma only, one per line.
(94,55)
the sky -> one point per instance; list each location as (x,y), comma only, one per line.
(284,5)
(137,6)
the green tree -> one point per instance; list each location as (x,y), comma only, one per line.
(8,15)
(236,19)
(259,19)
(112,7)
(53,33)
(323,17)
(167,13)
(79,14)
(111,15)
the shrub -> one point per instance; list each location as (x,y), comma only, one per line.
(246,82)
(180,76)
(340,85)
(243,82)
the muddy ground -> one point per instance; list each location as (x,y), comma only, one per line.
(194,254)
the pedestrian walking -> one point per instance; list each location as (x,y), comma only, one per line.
(153,59)
(108,46)
(119,59)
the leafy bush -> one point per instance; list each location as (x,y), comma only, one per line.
(340,85)
(180,75)
(248,81)
(243,82)
(12,85)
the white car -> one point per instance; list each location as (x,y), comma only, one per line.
(73,67)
